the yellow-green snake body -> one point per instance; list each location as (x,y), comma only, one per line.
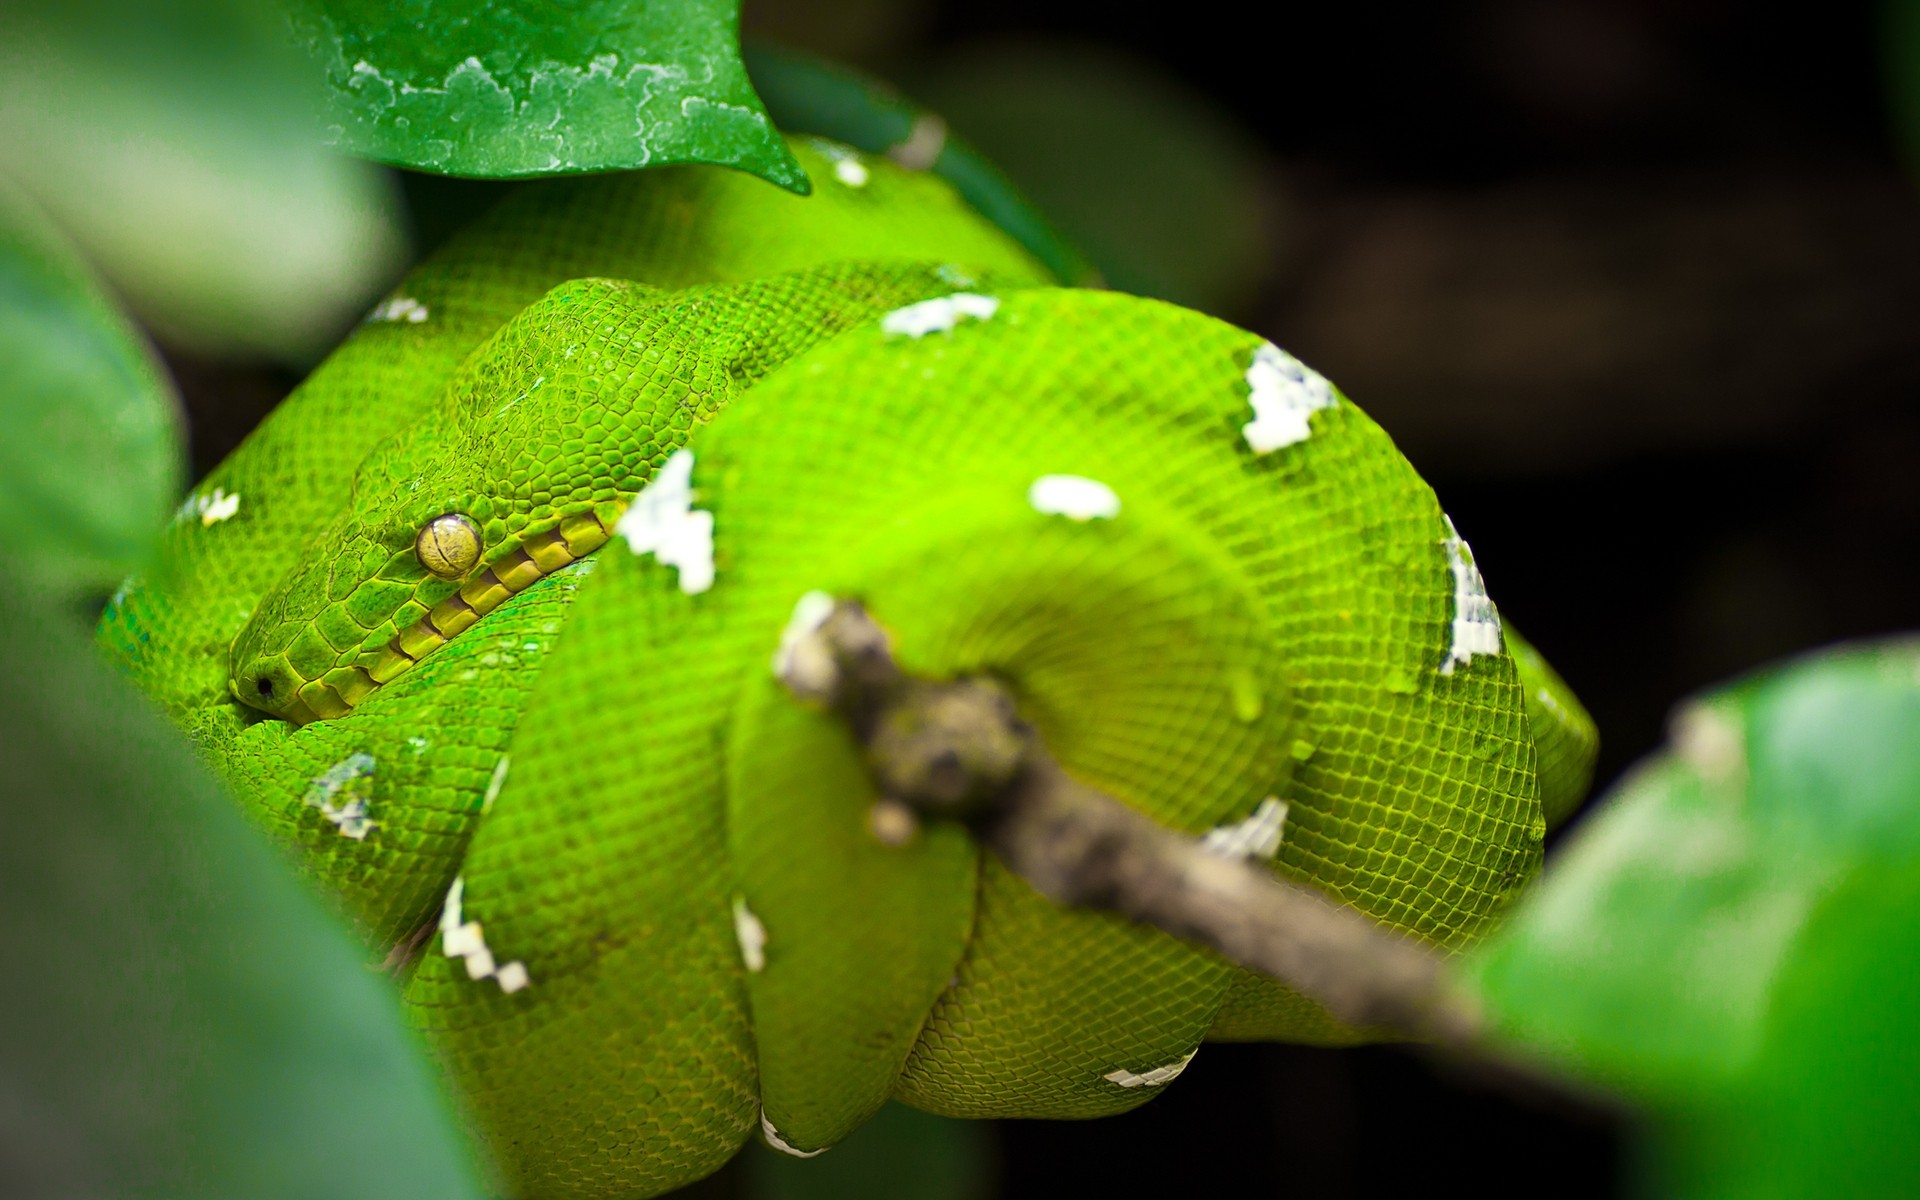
(483,621)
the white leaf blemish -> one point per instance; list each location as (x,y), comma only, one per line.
(399,308)
(1153,1078)
(801,663)
(921,148)
(779,1143)
(464,940)
(1712,744)
(342,793)
(494,784)
(1284,393)
(1476,626)
(751,935)
(939,315)
(663,522)
(1073,496)
(214,507)
(1258,836)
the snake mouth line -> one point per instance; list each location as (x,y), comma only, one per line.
(336,693)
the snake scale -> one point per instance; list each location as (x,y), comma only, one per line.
(482,623)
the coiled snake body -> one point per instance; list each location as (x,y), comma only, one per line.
(482,621)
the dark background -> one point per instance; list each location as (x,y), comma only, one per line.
(1633,283)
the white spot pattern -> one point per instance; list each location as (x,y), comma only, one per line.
(399,308)
(798,662)
(1153,1078)
(498,781)
(1258,836)
(663,522)
(939,315)
(1284,392)
(340,793)
(751,934)
(1073,496)
(212,508)
(779,1143)
(463,939)
(1476,626)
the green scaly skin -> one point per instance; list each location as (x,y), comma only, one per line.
(613,814)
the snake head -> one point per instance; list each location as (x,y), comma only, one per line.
(522,466)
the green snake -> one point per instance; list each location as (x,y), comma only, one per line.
(483,622)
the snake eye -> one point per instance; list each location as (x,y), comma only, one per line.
(448,545)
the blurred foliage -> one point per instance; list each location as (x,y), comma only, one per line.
(1165,193)
(806,95)
(185,1020)
(500,89)
(943,1158)
(175,145)
(90,453)
(1724,940)
(1900,59)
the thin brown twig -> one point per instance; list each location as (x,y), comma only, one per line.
(959,750)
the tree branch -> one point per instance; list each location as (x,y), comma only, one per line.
(959,750)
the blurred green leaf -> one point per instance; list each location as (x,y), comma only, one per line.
(1729,939)
(521,87)
(808,95)
(1900,62)
(1166,195)
(1830,1103)
(181,1017)
(90,447)
(901,1151)
(176,145)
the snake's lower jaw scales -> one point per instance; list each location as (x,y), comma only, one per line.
(667,909)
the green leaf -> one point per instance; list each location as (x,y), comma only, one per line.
(807,95)
(176,145)
(1827,1108)
(90,447)
(181,1018)
(1730,939)
(523,87)
(1166,194)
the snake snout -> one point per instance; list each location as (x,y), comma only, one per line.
(268,684)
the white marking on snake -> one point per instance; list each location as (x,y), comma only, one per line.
(1284,392)
(751,934)
(847,167)
(802,662)
(1476,626)
(1256,837)
(214,507)
(464,940)
(399,308)
(779,1143)
(1153,1078)
(939,315)
(663,522)
(1074,497)
(341,793)
(498,781)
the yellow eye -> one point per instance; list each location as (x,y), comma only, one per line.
(448,545)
